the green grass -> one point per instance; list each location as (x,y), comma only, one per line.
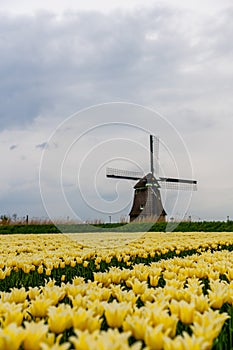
(204,226)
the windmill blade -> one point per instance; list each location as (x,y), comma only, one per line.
(123,174)
(151,155)
(178,184)
(156,156)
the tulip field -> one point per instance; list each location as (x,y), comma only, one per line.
(154,291)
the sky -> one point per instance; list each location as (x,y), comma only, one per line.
(59,59)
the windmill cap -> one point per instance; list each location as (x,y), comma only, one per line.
(147,180)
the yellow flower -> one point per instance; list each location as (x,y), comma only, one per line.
(13,314)
(35,333)
(27,268)
(48,272)
(173,344)
(194,286)
(96,307)
(39,306)
(201,303)
(97,260)
(85,263)
(18,295)
(84,320)
(85,340)
(136,325)
(111,339)
(115,313)
(11,337)
(168,321)
(137,286)
(5,273)
(208,333)
(154,280)
(147,296)
(108,259)
(79,260)
(59,318)
(154,337)
(186,312)
(33,293)
(229,274)
(186,343)
(78,280)
(218,296)
(40,269)
(209,324)
(56,345)
(54,294)
(174,308)
(169,275)
(73,263)
(194,343)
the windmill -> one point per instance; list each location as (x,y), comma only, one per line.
(147,201)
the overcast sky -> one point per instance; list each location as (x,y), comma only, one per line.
(60,57)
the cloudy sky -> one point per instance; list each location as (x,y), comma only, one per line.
(60,57)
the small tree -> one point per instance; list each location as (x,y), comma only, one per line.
(14,217)
(5,220)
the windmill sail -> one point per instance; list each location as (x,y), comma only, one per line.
(151,155)
(123,174)
(178,184)
(156,156)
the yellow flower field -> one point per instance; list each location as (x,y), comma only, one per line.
(153,291)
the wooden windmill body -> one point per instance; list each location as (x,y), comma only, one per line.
(147,203)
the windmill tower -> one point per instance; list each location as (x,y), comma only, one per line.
(147,201)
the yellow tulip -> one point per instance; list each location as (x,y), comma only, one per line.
(84,320)
(115,313)
(137,286)
(173,344)
(201,303)
(136,325)
(18,295)
(54,294)
(154,337)
(185,343)
(186,312)
(194,343)
(5,273)
(48,272)
(33,293)
(60,318)
(64,346)
(11,337)
(35,333)
(40,269)
(39,306)
(154,280)
(13,314)
(85,263)
(209,317)
(78,280)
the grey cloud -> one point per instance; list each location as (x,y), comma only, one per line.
(55,67)
(174,61)
(42,145)
(13,147)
